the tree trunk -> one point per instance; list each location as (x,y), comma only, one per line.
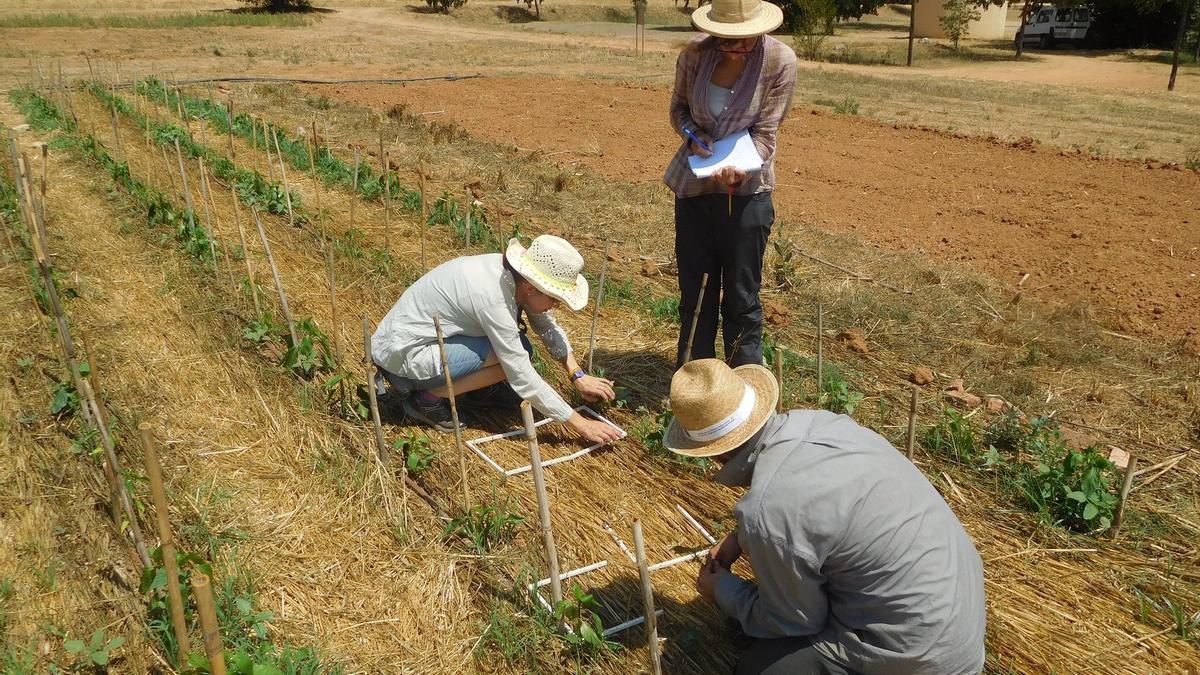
(1183,21)
(1021,30)
(912,25)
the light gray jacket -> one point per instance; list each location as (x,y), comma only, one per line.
(849,542)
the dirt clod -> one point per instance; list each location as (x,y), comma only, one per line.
(775,313)
(650,268)
(921,376)
(852,339)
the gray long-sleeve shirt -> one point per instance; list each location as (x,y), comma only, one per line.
(472,295)
(850,543)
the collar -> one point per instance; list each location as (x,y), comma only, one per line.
(781,428)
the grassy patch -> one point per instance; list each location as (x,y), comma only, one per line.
(190,20)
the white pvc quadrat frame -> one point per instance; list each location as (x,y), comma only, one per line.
(476,442)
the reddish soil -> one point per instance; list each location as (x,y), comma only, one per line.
(1116,234)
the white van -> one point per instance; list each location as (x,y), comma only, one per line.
(1048,26)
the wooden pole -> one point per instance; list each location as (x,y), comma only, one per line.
(229,123)
(779,377)
(424,225)
(1183,23)
(117,134)
(387,202)
(467,226)
(911,442)
(539,485)
(210,630)
(369,362)
(458,441)
(287,194)
(187,190)
(1126,486)
(170,169)
(283,303)
(820,348)
(204,200)
(237,217)
(267,143)
(333,322)
(639,546)
(687,354)
(254,143)
(167,541)
(312,163)
(912,29)
(354,191)
(45,151)
(596,308)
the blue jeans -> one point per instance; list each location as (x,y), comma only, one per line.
(465,354)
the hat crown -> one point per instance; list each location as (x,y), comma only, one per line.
(555,258)
(705,392)
(735,11)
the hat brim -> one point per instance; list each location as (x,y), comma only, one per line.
(575,297)
(766,391)
(770,18)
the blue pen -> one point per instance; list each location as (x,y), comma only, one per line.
(696,139)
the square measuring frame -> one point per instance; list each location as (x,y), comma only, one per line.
(474,444)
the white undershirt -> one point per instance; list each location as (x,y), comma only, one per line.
(718,97)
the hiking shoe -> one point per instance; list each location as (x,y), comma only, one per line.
(434,413)
(498,396)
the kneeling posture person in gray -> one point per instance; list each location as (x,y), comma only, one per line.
(859,564)
(480,301)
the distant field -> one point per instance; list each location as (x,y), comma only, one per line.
(191,20)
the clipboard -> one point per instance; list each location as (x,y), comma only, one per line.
(736,150)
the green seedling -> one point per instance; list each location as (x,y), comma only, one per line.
(417,453)
(95,652)
(581,612)
(953,436)
(485,526)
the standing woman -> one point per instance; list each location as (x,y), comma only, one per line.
(737,78)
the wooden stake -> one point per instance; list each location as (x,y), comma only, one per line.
(237,217)
(596,308)
(210,630)
(467,228)
(354,190)
(45,149)
(333,322)
(229,123)
(1126,486)
(458,441)
(283,303)
(779,377)
(687,354)
(820,348)
(187,190)
(270,162)
(424,215)
(287,193)
(254,143)
(170,169)
(167,541)
(312,163)
(369,362)
(117,134)
(387,203)
(209,228)
(911,442)
(639,546)
(539,485)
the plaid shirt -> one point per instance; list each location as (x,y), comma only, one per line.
(759,100)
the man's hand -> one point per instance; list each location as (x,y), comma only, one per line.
(706,582)
(695,148)
(594,431)
(730,177)
(727,551)
(595,388)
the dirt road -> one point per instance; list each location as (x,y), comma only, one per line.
(1114,234)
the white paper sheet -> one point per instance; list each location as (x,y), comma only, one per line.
(737,151)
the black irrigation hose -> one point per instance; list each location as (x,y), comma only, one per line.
(393,80)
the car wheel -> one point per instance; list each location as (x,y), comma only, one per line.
(1051,41)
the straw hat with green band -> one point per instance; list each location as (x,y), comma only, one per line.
(553,266)
(737,18)
(717,408)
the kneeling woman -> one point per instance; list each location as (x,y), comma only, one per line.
(482,302)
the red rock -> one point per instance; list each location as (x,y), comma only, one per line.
(852,339)
(966,399)
(921,376)
(996,404)
(650,268)
(775,313)
(955,385)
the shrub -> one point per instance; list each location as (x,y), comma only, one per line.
(809,33)
(1073,492)
(956,19)
(444,6)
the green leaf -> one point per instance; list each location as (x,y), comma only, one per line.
(73,646)
(100,657)
(1077,496)
(265,669)
(243,605)
(588,633)
(1090,511)
(115,643)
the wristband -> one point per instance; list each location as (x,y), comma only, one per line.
(577,374)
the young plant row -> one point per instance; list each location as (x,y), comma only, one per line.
(252,188)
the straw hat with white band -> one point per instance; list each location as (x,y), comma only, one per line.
(717,408)
(737,18)
(553,266)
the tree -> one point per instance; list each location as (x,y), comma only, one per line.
(956,18)
(809,32)
(794,11)
(276,6)
(1185,12)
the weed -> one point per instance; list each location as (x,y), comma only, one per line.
(953,436)
(663,309)
(416,451)
(65,401)
(651,430)
(6,593)
(846,106)
(1192,161)
(95,652)
(836,395)
(48,578)
(154,586)
(485,526)
(1006,431)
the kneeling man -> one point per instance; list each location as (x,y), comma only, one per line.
(859,564)
(483,303)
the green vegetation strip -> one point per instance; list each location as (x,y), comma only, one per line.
(192,20)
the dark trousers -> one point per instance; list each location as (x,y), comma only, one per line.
(787,656)
(730,249)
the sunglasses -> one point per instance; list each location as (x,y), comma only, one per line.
(736,45)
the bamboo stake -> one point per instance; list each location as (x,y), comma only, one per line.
(354,191)
(424,215)
(639,546)
(210,630)
(333,322)
(820,347)
(254,143)
(596,308)
(283,177)
(539,485)
(267,143)
(369,362)
(187,190)
(117,133)
(237,217)
(210,231)
(911,442)
(687,354)
(458,441)
(170,169)
(387,202)
(167,541)
(312,163)
(283,304)
(779,377)
(45,150)
(229,123)
(467,229)
(1126,486)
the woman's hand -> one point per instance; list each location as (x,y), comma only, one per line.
(595,388)
(729,177)
(594,431)
(694,147)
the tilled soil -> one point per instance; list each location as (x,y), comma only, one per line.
(1118,235)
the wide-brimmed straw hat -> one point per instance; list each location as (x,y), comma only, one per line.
(717,408)
(553,266)
(737,18)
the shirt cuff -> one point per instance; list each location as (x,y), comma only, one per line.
(730,588)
